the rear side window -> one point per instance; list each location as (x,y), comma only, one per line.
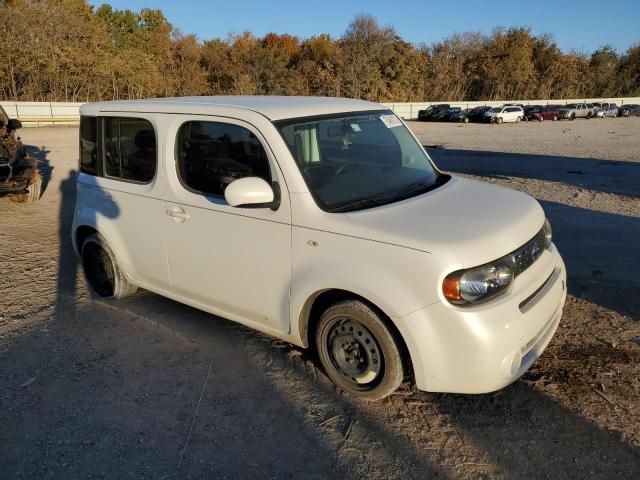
(89,145)
(211,155)
(129,149)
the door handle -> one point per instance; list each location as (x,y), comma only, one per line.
(178,214)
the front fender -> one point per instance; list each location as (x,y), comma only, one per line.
(397,280)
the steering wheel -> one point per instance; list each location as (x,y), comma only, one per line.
(345,166)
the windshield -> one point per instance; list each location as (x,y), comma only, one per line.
(358,160)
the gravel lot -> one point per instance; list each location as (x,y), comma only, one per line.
(98,389)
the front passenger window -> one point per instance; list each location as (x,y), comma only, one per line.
(211,155)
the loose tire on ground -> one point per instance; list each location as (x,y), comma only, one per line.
(33,192)
(358,351)
(102,270)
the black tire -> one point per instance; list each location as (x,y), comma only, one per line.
(572,117)
(499,120)
(102,270)
(33,190)
(358,352)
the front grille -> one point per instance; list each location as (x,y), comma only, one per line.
(527,254)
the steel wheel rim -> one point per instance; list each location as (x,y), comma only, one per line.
(354,353)
(99,270)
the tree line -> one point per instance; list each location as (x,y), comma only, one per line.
(67,50)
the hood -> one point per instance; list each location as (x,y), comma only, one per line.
(475,221)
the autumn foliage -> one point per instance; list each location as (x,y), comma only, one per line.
(67,50)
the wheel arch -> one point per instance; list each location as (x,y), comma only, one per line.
(319,301)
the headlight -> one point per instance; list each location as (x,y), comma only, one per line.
(479,284)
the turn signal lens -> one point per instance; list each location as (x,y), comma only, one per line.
(451,289)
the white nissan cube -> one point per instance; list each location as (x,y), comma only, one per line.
(321,221)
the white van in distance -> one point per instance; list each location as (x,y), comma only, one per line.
(321,221)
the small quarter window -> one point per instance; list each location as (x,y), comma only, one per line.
(129,149)
(89,145)
(211,155)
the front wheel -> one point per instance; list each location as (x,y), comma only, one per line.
(518,119)
(555,118)
(358,351)
(102,270)
(499,120)
(541,118)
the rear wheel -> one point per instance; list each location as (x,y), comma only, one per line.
(518,119)
(555,118)
(572,117)
(541,118)
(358,351)
(102,270)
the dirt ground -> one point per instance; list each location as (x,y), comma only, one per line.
(99,389)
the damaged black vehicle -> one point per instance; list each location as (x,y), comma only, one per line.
(20,176)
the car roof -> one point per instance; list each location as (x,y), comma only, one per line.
(272,107)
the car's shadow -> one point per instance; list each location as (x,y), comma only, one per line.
(518,432)
(619,177)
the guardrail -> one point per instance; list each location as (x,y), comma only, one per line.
(43,113)
(66,113)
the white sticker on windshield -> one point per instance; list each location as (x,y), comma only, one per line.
(390,121)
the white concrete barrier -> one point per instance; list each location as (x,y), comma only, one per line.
(67,113)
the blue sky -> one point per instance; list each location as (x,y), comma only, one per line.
(581,25)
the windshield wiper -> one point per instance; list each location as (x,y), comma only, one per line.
(360,204)
(403,193)
(420,187)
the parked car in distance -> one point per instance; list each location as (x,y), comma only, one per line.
(541,113)
(432,110)
(607,110)
(323,222)
(504,114)
(477,114)
(576,110)
(629,110)
(444,115)
(461,115)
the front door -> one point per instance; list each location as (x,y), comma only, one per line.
(235,262)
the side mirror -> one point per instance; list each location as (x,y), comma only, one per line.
(250,192)
(14,124)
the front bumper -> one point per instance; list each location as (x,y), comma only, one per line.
(484,348)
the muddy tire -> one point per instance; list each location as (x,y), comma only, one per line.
(358,351)
(33,190)
(102,271)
